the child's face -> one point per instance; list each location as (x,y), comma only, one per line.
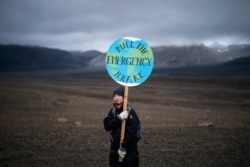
(117,99)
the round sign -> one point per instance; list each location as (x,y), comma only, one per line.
(129,61)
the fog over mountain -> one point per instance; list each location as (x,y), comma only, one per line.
(16,58)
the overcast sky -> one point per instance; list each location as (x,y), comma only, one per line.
(96,24)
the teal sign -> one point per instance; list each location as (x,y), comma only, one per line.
(129,61)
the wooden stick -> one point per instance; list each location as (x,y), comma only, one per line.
(125,103)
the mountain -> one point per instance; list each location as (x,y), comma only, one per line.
(86,56)
(242,61)
(29,58)
(236,51)
(239,67)
(174,56)
(169,60)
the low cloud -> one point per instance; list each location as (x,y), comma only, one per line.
(85,25)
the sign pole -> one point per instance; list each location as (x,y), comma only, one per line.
(125,103)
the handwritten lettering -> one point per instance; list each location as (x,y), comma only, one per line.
(134,61)
(128,78)
(131,44)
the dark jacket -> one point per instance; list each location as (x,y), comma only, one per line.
(112,123)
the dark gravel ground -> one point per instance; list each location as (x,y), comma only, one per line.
(65,145)
(57,122)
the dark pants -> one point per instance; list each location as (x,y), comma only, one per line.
(131,159)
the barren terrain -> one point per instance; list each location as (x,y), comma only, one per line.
(57,121)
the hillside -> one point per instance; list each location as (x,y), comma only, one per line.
(173,56)
(238,67)
(23,58)
(170,60)
(236,51)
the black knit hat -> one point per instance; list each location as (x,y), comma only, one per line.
(119,91)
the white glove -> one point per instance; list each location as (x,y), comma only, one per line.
(123,115)
(122,152)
